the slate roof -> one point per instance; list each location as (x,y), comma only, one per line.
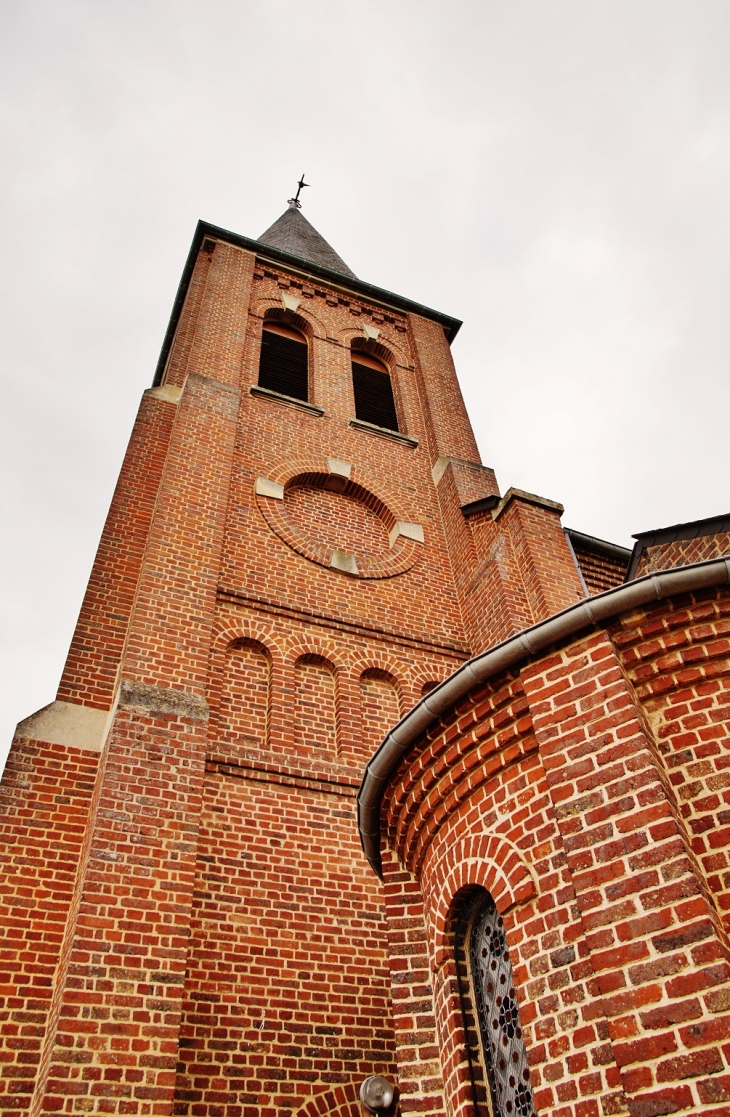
(292,233)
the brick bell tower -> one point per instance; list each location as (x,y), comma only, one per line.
(301,544)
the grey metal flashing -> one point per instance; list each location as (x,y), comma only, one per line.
(577,565)
(375,294)
(584,615)
(485,504)
(599,546)
(693,529)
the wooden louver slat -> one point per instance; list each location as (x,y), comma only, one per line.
(374,401)
(284,365)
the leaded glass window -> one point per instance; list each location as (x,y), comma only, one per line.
(490,1005)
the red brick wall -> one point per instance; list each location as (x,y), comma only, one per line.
(112,1043)
(224,953)
(44,803)
(303,670)
(286,992)
(683,552)
(586,794)
(679,662)
(91,672)
(601,572)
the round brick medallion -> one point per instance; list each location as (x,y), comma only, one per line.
(333,521)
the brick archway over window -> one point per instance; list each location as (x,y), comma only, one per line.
(487,861)
(340,1102)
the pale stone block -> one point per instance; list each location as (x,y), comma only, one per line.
(289,301)
(408,531)
(264,487)
(371,332)
(65,723)
(342,469)
(341,560)
(439,468)
(170,393)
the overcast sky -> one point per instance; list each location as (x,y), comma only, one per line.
(554,173)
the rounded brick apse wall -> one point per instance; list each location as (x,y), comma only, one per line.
(586,787)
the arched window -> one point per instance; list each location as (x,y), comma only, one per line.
(490,1009)
(284,363)
(374,402)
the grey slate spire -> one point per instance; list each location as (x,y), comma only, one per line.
(293,233)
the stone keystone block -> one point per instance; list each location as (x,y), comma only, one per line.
(341,560)
(289,301)
(370,332)
(408,531)
(264,487)
(342,469)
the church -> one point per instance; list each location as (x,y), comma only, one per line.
(368,787)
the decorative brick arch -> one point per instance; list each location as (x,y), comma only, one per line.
(234,628)
(340,1102)
(313,644)
(426,678)
(398,354)
(313,647)
(360,487)
(379,661)
(488,861)
(283,469)
(315,327)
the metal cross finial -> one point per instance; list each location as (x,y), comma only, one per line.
(294,202)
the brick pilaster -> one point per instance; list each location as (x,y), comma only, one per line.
(654,939)
(414,1021)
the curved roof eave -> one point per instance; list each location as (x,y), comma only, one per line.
(585,614)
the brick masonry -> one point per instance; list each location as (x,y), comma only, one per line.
(190,926)
(682,552)
(600,571)
(588,792)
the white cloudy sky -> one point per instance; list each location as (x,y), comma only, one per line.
(554,172)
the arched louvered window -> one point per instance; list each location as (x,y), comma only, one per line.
(491,1013)
(284,363)
(374,402)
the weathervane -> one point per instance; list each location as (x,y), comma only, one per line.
(294,202)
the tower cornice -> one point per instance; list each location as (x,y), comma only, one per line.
(336,280)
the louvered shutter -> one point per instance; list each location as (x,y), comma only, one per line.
(284,365)
(374,401)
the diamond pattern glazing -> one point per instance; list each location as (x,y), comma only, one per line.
(498,1014)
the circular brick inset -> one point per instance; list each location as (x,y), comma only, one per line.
(323,513)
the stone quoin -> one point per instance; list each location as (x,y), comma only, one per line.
(367,787)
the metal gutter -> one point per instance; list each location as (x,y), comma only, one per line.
(585,614)
(336,279)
